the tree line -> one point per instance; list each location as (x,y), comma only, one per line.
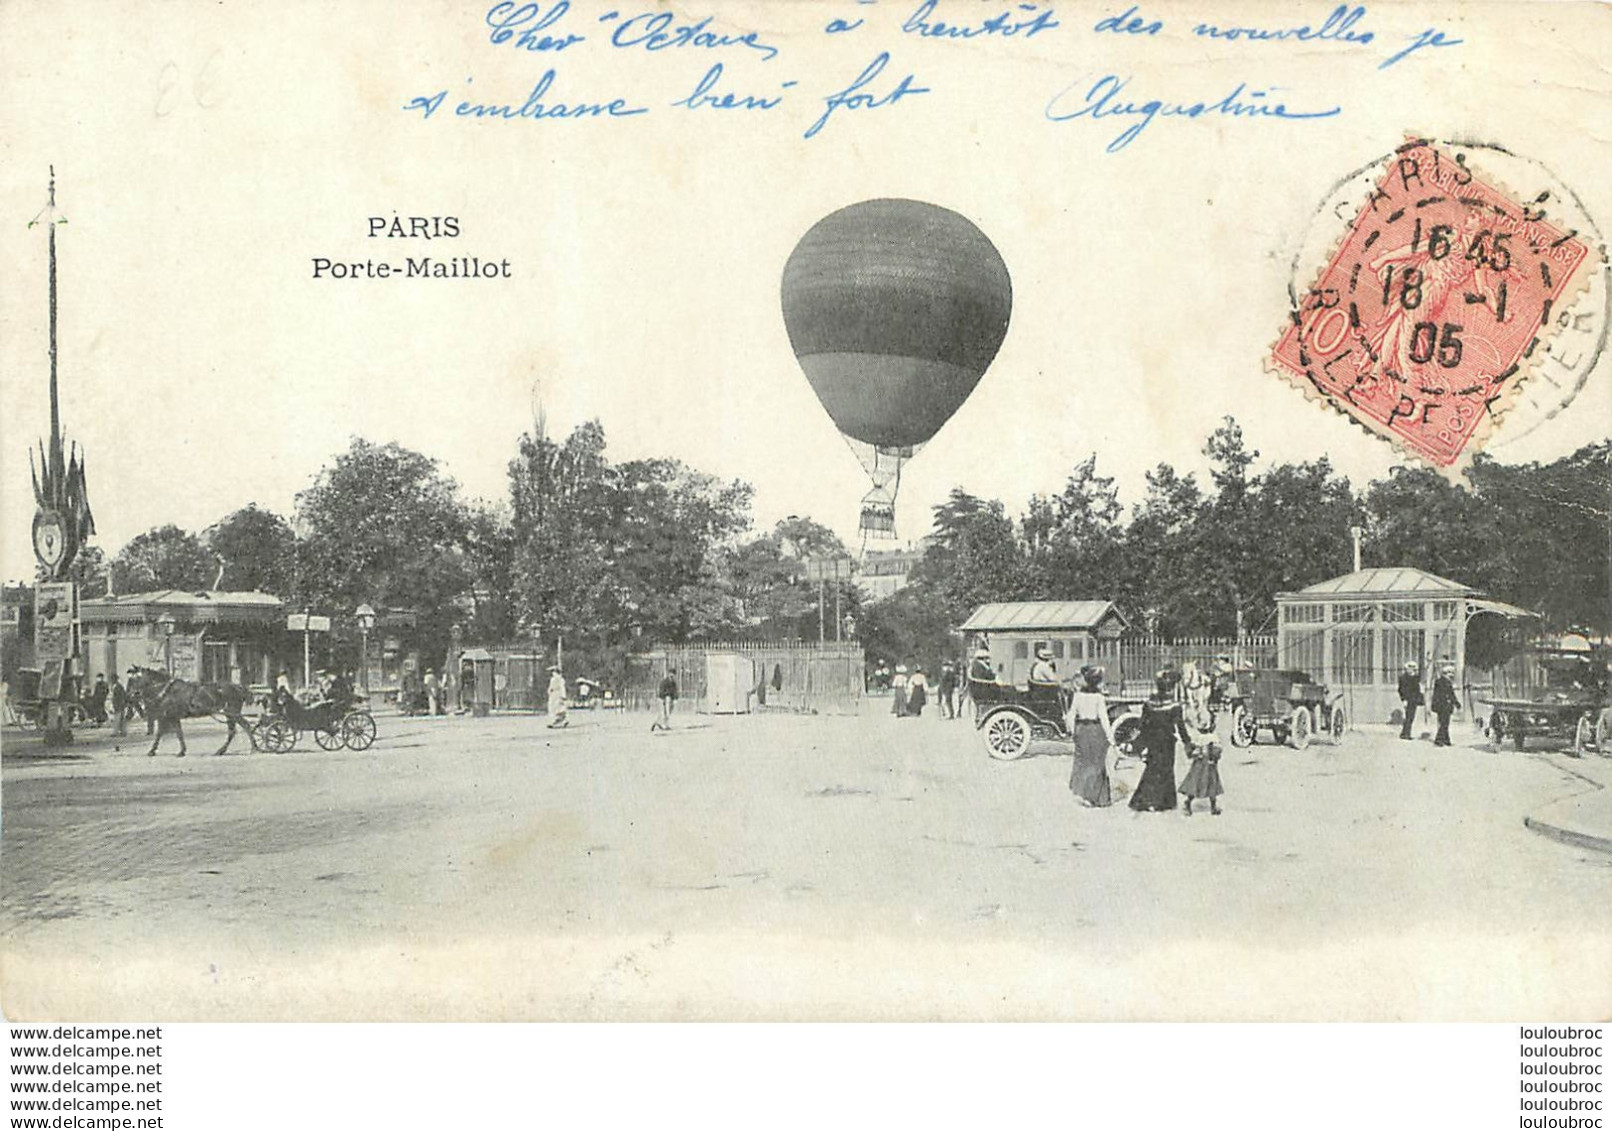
(1207,558)
(615,555)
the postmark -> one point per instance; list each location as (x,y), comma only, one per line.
(1442,294)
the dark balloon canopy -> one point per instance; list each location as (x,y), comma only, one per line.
(895,308)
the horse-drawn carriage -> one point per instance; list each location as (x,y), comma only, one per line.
(338,722)
(1569,703)
(1289,704)
(1011,718)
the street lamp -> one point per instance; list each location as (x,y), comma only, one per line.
(366,621)
(167,622)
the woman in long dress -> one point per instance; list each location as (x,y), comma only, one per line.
(1161,723)
(1093,733)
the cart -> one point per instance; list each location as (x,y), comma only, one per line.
(1570,706)
(333,724)
(1010,718)
(1288,704)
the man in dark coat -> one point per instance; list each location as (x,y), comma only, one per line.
(1410,694)
(948,690)
(1444,703)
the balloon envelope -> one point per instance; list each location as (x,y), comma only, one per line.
(894,310)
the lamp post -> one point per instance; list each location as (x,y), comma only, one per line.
(168,623)
(366,621)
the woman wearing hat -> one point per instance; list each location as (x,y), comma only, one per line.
(1093,732)
(1161,724)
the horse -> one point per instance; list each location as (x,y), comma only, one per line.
(169,701)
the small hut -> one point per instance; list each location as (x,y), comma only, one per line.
(1077,632)
(1357,632)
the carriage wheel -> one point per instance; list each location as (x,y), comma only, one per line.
(1242,727)
(1299,728)
(1126,732)
(1583,736)
(1337,725)
(278,736)
(1007,735)
(329,739)
(358,730)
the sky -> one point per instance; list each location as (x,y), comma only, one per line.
(205,156)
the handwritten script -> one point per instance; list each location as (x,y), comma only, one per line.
(698,63)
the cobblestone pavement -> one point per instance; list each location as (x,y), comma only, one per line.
(783,866)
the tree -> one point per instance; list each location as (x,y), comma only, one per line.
(1072,539)
(768,575)
(1157,571)
(975,556)
(258,550)
(91,572)
(383,525)
(164,557)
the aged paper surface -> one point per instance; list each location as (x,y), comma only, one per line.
(257,266)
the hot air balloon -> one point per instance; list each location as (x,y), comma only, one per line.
(895,308)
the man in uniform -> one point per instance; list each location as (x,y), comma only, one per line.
(1410,695)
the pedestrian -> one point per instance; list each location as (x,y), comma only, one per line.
(1161,724)
(557,699)
(1093,732)
(1410,695)
(433,693)
(667,694)
(1444,703)
(898,691)
(917,693)
(947,689)
(467,686)
(120,707)
(97,701)
(1203,779)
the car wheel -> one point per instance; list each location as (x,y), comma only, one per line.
(1007,735)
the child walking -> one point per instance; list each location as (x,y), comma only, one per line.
(1203,779)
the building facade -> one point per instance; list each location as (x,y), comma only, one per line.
(213,635)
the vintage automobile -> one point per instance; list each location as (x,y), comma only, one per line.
(1289,704)
(1011,718)
(1565,702)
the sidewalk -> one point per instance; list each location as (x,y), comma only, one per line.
(1585,819)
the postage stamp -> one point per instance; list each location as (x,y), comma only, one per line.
(1437,303)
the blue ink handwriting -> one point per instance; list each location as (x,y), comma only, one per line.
(1103,101)
(1429,38)
(1339,25)
(837,25)
(1129,23)
(849,99)
(506,17)
(649,30)
(534,107)
(702,95)
(1035,19)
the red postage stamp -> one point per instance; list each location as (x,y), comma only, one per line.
(1431,310)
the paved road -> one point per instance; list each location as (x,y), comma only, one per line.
(785,866)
